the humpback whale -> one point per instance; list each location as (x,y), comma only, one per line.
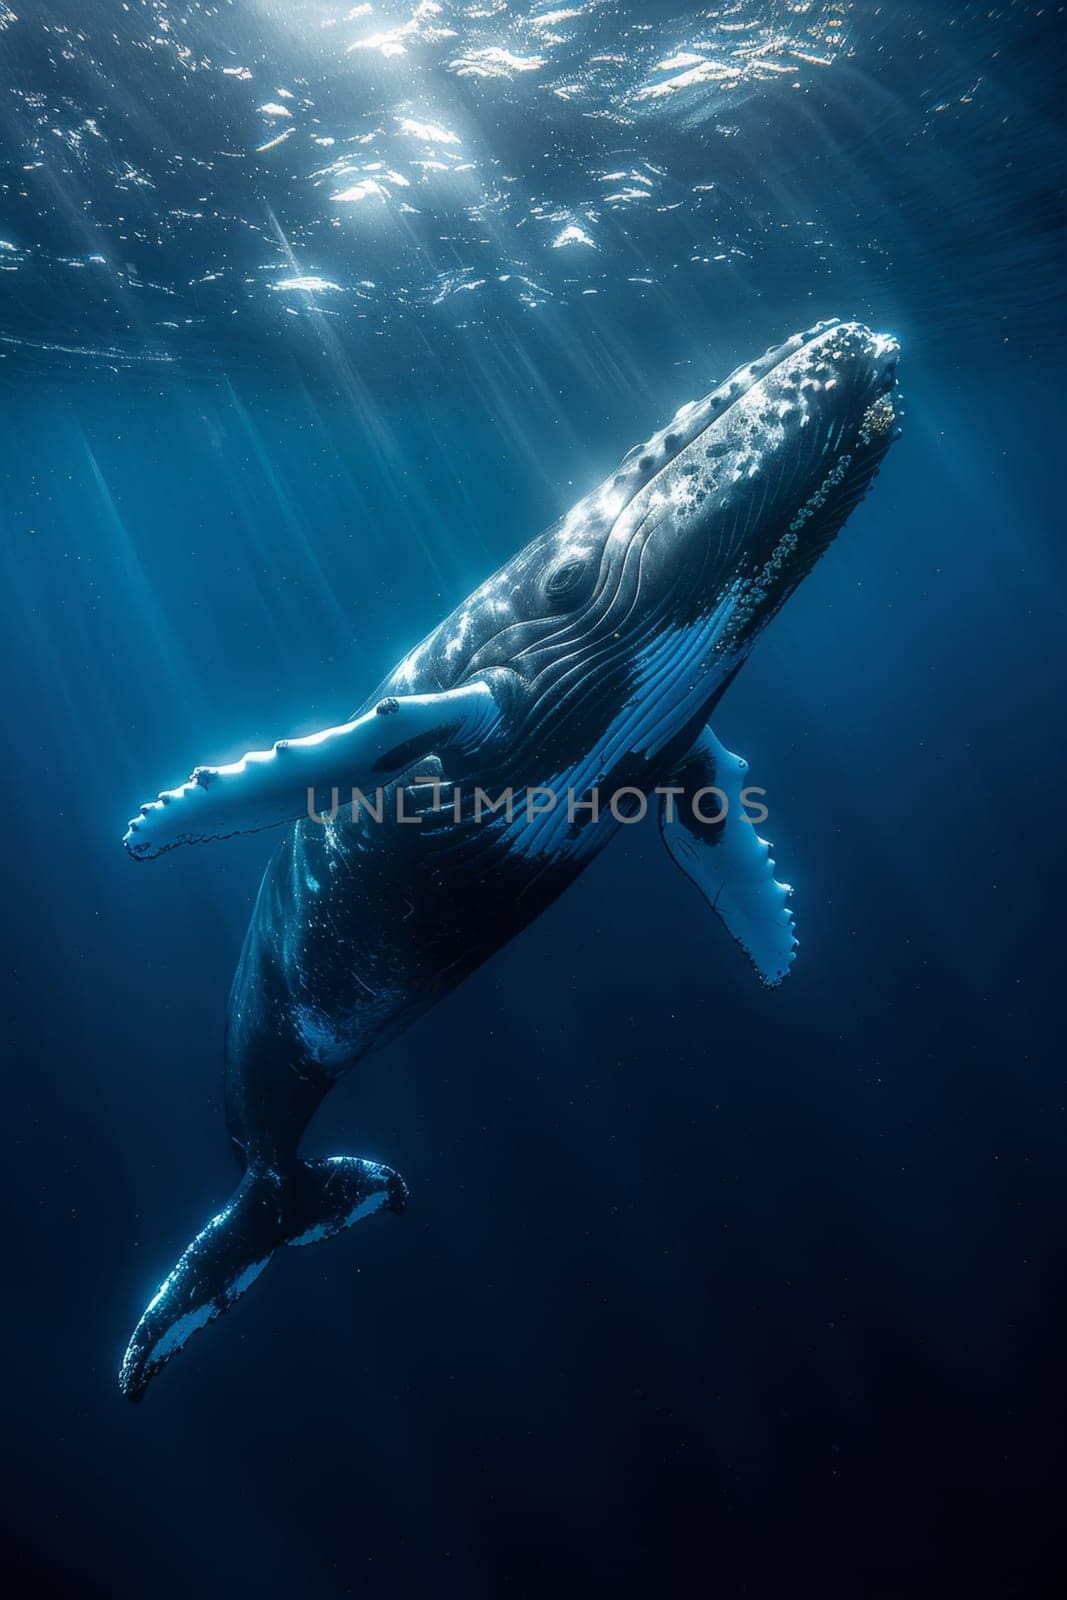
(577,682)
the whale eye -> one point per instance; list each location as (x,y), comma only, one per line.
(564,580)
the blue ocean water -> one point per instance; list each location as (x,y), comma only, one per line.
(309,317)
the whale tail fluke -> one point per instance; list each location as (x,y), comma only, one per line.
(316,1200)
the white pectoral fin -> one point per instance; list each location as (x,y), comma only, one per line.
(270,787)
(726,858)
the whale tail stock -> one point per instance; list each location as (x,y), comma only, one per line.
(317,1199)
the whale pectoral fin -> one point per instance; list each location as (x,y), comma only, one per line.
(725,856)
(270,787)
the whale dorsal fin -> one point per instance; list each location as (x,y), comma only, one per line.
(267,788)
(725,856)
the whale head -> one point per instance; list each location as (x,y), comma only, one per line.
(727,508)
(668,571)
(735,500)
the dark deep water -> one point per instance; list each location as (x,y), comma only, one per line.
(701,1289)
